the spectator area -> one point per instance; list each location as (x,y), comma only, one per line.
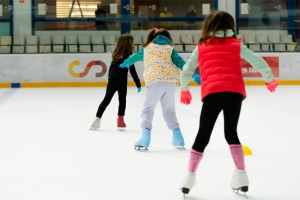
(106,43)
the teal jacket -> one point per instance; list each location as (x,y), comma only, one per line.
(160,39)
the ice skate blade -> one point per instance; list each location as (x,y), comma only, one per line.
(243,189)
(180,147)
(185,190)
(94,129)
(140,148)
(121,128)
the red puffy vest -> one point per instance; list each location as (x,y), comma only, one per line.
(220,67)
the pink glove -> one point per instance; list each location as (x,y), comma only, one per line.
(185,97)
(272,85)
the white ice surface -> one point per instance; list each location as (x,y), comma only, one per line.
(47,151)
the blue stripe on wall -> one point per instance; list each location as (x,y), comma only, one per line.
(15,85)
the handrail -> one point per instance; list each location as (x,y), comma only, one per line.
(259,18)
(4,20)
(121,19)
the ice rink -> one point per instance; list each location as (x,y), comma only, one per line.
(47,151)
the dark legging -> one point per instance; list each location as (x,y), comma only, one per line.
(112,87)
(213,104)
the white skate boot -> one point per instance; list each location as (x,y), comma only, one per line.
(96,124)
(240,181)
(187,183)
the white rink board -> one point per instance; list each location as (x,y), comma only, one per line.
(56,67)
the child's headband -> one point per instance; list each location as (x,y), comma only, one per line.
(155,31)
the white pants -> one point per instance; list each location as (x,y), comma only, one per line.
(165,93)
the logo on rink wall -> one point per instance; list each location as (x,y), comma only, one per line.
(87,68)
(249,71)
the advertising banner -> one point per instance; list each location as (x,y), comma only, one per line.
(94,67)
(249,71)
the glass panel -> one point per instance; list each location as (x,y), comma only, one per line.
(266,15)
(297,23)
(4,28)
(263,23)
(5,9)
(185,31)
(170,25)
(262,15)
(73,25)
(177,8)
(170,8)
(79,9)
(53,17)
(246,6)
(5,18)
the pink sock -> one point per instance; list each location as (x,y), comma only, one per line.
(237,154)
(195,158)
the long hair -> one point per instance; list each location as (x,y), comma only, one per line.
(124,46)
(216,21)
(152,35)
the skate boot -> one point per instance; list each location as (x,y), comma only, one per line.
(144,141)
(178,141)
(240,181)
(120,123)
(188,182)
(96,124)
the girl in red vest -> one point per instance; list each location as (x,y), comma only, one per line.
(219,54)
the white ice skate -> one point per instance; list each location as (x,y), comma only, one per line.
(96,124)
(240,182)
(187,183)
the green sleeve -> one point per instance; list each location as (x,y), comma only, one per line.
(177,60)
(138,56)
(258,63)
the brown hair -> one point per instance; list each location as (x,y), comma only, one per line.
(216,21)
(124,46)
(152,35)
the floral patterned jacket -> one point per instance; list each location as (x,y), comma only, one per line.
(161,61)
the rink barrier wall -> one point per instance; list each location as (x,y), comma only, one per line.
(130,84)
(91,70)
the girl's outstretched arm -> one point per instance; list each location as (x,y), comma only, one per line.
(258,63)
(138,56)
